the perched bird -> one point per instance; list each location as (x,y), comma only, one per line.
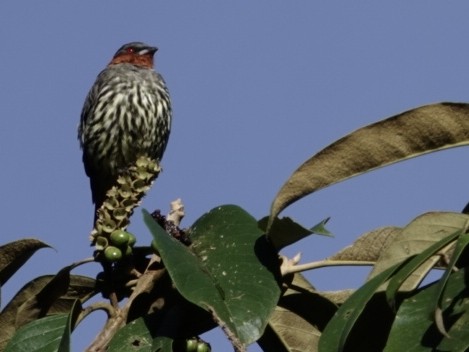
(126,114)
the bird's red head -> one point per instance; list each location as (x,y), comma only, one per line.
(136,53)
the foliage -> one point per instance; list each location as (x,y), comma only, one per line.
(160,298)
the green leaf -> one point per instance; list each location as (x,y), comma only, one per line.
(162,344)
(70,325)
(459,249)
(416,237)
(410,134)
(14,314)
(286,231)
(414,330)
(297,322)
(40,335)
(337,331)
(412,265)
(51,333)
(178,320)
(14,254)
(320,228)
(230,271)
(37,305)
(135,336)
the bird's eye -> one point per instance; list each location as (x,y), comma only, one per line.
(130,50)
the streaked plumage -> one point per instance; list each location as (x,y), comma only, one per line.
(127,113)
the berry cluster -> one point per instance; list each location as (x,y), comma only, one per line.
(109,234)
(197,345)
(120,244)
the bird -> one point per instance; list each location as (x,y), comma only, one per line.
(126,114)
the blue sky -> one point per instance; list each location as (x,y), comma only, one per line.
(257,88)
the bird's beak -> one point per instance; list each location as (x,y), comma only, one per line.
(150,50)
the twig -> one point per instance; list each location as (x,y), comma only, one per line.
(177,212)
(104,306)
(145,284)
(290,266)
(81,262)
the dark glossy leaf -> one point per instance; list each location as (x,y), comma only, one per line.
(135,336)
(337,331)
(51,333)
(40,335)
(80,287)
(162,344)
(65,343)
(230,271)
(414,330)
(13,255)
(441,303)
(176,321)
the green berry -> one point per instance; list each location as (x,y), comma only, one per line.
(132,239)
(112,254)
(191,345)
(119,238)
(203,347)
